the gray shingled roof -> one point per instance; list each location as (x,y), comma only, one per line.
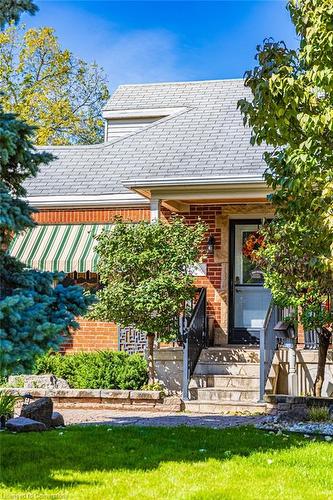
(208,139)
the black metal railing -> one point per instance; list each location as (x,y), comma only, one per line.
(194,338)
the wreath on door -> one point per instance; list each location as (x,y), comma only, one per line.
(252,244)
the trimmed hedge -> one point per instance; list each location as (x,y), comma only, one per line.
(96,370)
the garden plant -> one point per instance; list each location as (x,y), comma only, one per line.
(146,272)
(291,111)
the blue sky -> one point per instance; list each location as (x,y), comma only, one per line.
(156,41)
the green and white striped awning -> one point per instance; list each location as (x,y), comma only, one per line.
(58,247)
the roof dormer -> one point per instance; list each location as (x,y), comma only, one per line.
(121,123)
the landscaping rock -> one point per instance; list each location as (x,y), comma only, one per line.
(57,420)
(49,381)
(22,424)
(40,410)
(276,424)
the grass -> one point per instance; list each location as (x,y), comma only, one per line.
(164,463)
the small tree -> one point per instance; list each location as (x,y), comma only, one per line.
(145,269)
(292,110)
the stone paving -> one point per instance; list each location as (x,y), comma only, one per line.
(154,419)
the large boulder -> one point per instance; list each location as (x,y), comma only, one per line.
(40,410)
(22,424)
(49,381)
(57,420)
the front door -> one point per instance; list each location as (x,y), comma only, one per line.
(249,300)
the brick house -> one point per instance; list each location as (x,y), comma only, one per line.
(170,147)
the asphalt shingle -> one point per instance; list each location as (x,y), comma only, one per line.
(207,139)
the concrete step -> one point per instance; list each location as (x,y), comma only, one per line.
(231,354)
(227,368)
(226,381)
(232,381)
(213,394)
(227,407)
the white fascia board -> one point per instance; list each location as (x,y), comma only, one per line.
(141,113)
(193,181)
(75,201)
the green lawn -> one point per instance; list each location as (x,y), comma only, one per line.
(164,463)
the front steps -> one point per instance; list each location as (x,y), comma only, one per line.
(226,380)
(226,408)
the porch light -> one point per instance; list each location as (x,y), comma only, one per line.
(286,329)
(210,245)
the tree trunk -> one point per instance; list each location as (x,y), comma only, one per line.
(151,366)
(324,341)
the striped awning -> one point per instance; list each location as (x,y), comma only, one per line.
(58,247)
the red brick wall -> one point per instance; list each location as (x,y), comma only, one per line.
(209,214)
(92,335)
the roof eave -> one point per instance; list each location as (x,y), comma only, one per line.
(201,188)
(88,201)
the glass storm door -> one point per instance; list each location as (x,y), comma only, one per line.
(249,300)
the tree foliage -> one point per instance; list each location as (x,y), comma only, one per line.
(11,10)
(50,88)
(292,111)
(35,315)
(145,269)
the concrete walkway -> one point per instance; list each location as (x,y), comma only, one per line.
(154,419)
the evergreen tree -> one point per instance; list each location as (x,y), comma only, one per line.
(11,10)
(35,315)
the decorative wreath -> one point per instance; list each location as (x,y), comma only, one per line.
(254,242)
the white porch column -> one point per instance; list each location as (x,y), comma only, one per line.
(155,209)
(292,373)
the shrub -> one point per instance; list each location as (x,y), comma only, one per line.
(319,414)
(96,370)
(7,403)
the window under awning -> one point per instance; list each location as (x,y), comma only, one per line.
(58,247)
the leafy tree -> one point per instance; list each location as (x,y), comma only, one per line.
(292,111)
(34,314)
(11,10)
(49,88)
(146,272)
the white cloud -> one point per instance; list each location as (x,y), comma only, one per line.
(141,56)
(131,56)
